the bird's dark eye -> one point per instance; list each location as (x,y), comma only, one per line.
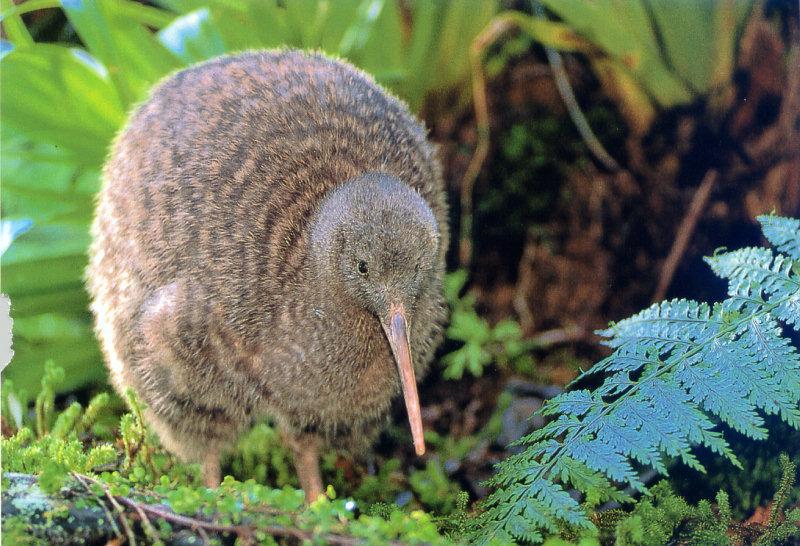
(362,267)
(416,268)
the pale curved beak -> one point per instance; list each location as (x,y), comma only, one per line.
(397,332)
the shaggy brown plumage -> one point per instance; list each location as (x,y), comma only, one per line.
(268,223)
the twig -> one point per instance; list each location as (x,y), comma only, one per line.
(684,233)
(568,334)
(203,535)
(109,516)
(120,512)
(242,531)
(122,518)
(574,109)
(148,527)
(492,32)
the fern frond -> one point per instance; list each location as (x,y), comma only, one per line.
(676,367)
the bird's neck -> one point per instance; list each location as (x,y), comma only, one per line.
(343,322)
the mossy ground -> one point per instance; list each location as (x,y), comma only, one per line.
(86,475)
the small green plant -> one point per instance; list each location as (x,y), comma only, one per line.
(782,525)
(657,518)
(676,366)
(260,455)
(434,488)
(483,344)
(69,462)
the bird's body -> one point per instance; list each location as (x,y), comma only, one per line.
(233,203)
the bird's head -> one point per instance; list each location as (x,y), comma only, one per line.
(377,241)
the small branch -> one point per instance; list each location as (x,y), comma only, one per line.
(110,517)
(574,109)
(568,334)
(245,532)
(148,527)
(492,32)
(684,233)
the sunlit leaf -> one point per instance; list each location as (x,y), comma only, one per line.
(193,37)
(10,230)
(130,52)
(60,97)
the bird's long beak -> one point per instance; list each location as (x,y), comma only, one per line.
(397,331)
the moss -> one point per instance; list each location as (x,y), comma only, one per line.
(44,499)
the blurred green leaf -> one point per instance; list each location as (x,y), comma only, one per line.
(79,355)
(692,59)
(13,25)
(437,57)
(10,230)
(507,330)
(60,96)
(454,283)
(729,17)
(129,51)
(373,40)
(625,32)
(193,37)
(247,24)
(461,22)
(43,183)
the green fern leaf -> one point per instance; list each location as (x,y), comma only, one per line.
(678,368)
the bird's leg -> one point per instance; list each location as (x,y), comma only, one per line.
(210,468)
(305,450)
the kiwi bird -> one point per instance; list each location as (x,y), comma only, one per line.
(270,240)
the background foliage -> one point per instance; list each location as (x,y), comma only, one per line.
(66,103)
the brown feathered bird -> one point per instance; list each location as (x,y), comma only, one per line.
(270,240)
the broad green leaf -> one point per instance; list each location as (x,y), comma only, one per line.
(624,31)
(307,20)
(687,31)
(73,297)
(50,326)
(556,35)
(635,103)
(381,53)
(247,24)
(269,24)
(10,230)
(134,58)
(45,259)
(60,96)
(729,17)
(357,29)
(78,353)
(193,37)
(420,51)
(437,57)
(43,183)
(461,23)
